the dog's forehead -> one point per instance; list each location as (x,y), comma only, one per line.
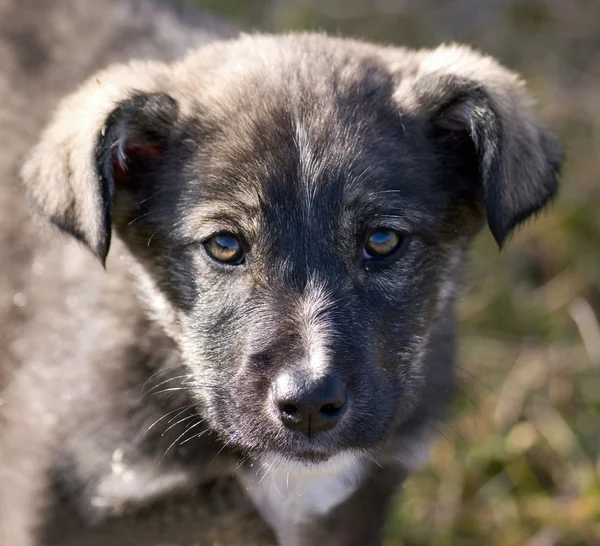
(295,132)
(286,165)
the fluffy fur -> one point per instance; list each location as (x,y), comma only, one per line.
(300,145)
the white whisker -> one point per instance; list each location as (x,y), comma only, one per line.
(177,439)
(180,410)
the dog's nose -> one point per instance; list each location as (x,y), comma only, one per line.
(310,407)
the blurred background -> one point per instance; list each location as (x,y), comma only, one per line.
(518,459)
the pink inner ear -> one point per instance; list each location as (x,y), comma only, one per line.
(136,154)
(142,152)
(119,171)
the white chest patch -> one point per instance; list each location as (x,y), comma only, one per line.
(287,493)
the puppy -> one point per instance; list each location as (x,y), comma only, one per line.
(283,221)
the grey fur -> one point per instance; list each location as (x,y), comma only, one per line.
(299,143)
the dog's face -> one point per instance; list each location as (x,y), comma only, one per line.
(297,210)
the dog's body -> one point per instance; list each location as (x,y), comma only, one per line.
(292,215)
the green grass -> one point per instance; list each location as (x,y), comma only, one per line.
(518,459)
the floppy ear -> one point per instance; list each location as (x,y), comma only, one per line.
(101,137)
(463,96)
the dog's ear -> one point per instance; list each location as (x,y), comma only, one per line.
(465,97)
(102,137)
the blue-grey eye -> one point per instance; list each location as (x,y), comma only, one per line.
(382,243)
(225,248)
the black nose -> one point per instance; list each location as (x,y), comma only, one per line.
(310,406)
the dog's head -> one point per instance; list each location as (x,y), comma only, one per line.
(297,209)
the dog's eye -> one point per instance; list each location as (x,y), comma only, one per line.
(225,248)
(382,243)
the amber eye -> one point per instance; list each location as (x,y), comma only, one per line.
(382,243)
(225,248)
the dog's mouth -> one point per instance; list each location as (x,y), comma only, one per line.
(320,452)
(308,458)
(296,451)
(310,463)
(312,456)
